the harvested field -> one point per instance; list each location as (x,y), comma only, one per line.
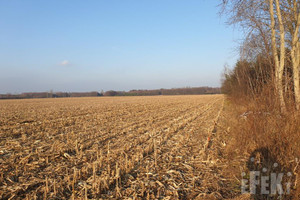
(108,147)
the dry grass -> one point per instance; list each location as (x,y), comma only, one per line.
(257,129)
(127,147)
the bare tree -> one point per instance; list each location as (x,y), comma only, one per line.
(279,61)
(272,29)
(295,49)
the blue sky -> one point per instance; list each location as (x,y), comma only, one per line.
(94,45)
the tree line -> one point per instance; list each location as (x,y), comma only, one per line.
(30,95)
(173,91)
(269,61)
(263,87)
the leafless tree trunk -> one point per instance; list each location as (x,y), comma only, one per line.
(295,54)
(279,62)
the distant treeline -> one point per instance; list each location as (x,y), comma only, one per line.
(174,91)
(31,95)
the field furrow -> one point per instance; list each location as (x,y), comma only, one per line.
(123,147)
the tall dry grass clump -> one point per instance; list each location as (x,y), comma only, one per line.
(259,129)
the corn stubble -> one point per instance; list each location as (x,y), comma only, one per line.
(123,147)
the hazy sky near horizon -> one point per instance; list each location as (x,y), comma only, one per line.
(96,45)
